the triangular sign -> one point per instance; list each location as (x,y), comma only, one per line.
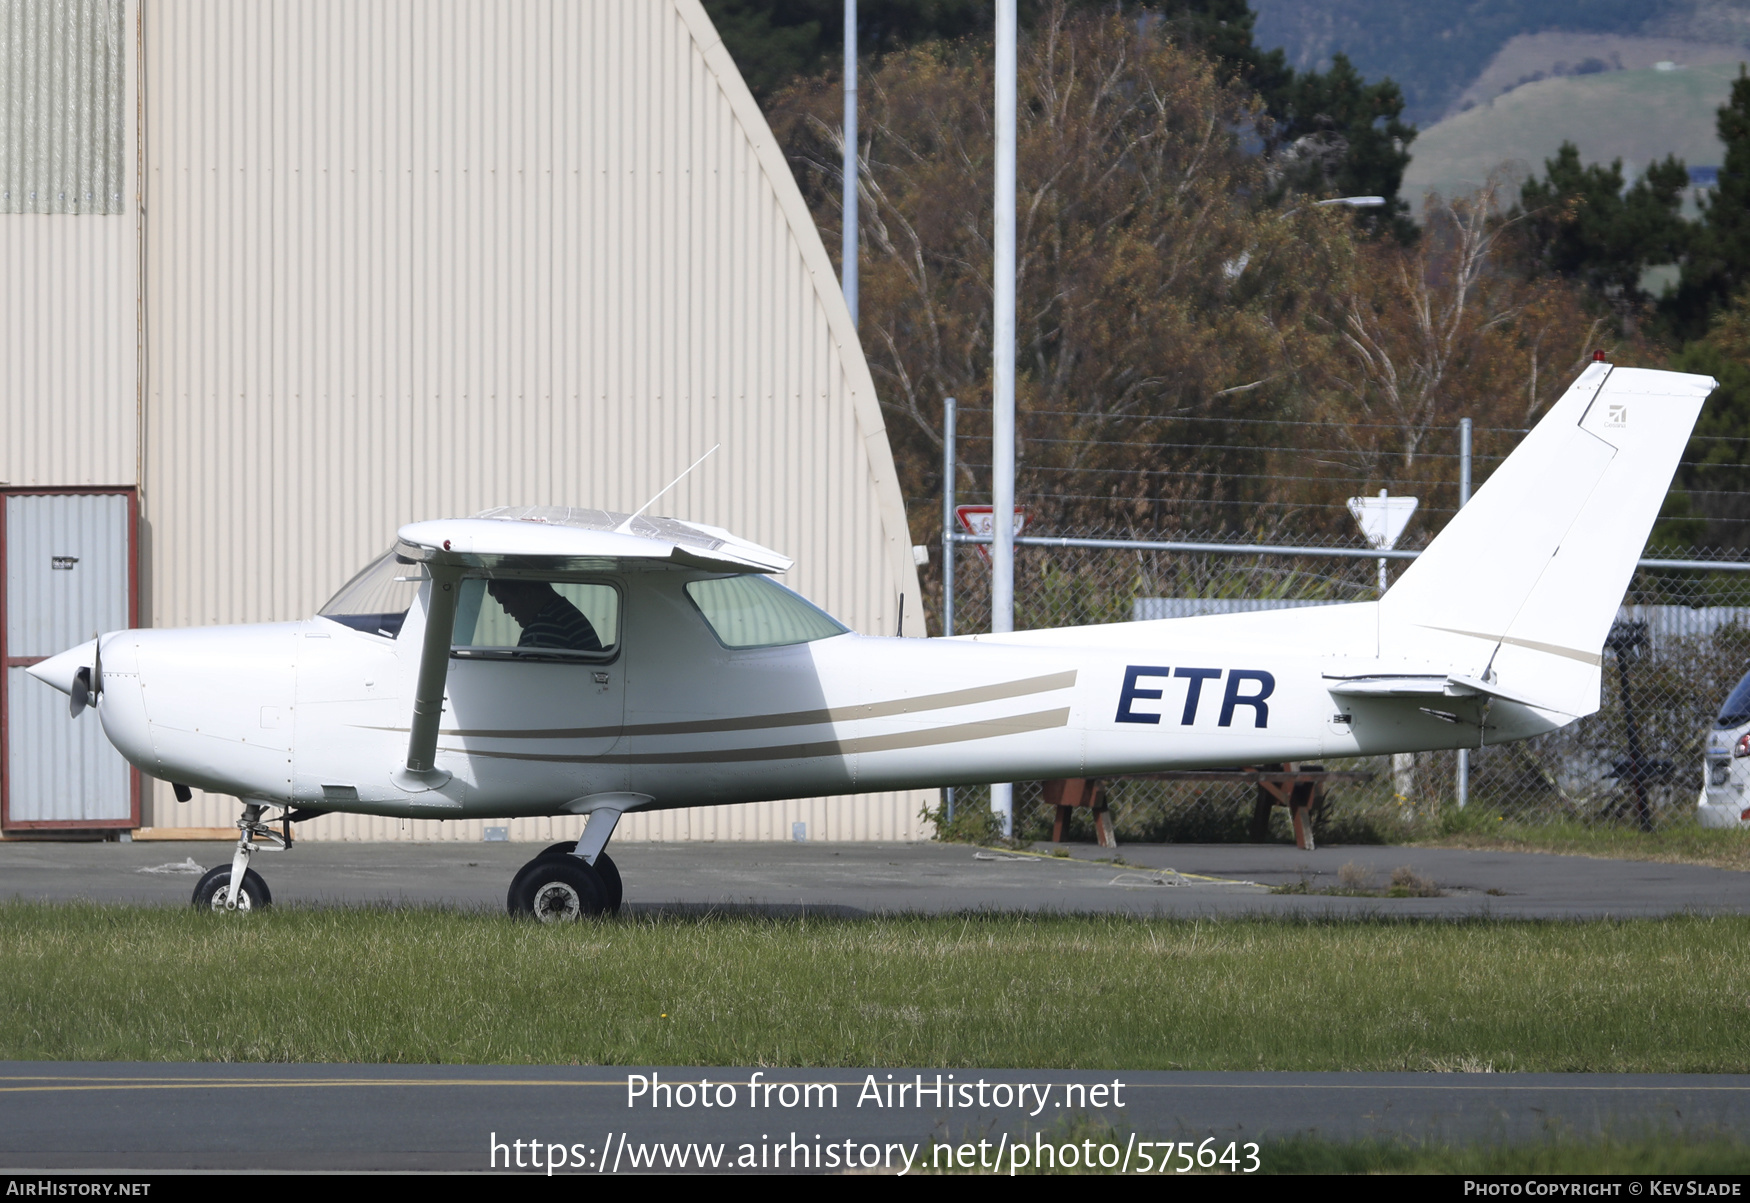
(1382,518)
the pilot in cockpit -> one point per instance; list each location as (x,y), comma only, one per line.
(548,620)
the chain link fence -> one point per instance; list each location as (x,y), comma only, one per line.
(1681,644)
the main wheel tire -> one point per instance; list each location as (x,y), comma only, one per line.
(209,892)
(513,896)
(558,889)
(604,867)
(609,872)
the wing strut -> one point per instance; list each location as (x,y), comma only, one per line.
(421,772)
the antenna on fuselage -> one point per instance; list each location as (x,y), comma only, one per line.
(626,526)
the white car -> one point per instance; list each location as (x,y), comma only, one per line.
(1725,785)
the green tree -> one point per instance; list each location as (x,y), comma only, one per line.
(1579,222)
(1169,317)
(770,43)
(1716,466)
(1153,282)
(1718,264)
(1327,133)
(1337,134)
(775,42)
(1330,133)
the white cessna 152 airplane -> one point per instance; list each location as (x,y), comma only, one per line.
(546,661)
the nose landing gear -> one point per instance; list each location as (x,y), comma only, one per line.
(215,890)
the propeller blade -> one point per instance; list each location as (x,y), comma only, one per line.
(96,664)
(80,695)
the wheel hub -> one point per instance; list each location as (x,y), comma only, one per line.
(557,902)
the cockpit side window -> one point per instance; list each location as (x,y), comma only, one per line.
(755,611)
(524,618)
(376,601)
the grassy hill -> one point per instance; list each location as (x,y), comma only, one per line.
(1638,116)
(1434,48)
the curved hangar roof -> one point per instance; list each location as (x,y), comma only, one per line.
(492,254)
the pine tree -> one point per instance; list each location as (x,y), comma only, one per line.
(1579,222)
(1718,264)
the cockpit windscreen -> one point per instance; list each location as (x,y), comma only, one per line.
(376,601)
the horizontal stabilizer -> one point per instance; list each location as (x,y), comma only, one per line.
(1430,686)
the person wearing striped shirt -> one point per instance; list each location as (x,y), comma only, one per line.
(548,620)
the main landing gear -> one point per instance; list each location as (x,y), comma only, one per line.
(561,885)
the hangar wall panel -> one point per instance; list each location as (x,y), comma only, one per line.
(63,106)
(412,259)
(69,311)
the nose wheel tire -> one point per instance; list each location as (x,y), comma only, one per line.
(210,891)
(558,889)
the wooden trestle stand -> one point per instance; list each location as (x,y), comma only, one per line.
(1301,788)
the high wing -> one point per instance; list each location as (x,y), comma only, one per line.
(551,538)
(560,537)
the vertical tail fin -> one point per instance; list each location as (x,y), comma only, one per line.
(1524,581)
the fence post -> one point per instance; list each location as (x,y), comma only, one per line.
(948,517)
(1463,774)
(948,546)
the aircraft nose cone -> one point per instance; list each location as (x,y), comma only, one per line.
(60,670)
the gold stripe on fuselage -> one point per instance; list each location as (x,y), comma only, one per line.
(1020,724)
(794,718)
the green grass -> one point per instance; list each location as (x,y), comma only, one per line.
(1637,116)
(1673,843)
(83,981)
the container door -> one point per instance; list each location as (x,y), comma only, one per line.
(68,576)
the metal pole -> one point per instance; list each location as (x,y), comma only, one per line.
(1002,576)
(1463,462)
(948,470)
(1637,774)
(948,546)
(1463,782)
(848,256)
(1383,584)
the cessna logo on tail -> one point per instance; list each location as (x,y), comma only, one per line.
(1231,698)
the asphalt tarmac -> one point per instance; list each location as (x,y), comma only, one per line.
(590,1119)
(106,1117)
(861,878)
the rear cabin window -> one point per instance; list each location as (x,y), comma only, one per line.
(523,618)
(376,601)
(755,611)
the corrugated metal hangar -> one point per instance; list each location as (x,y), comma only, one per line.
(278,276)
